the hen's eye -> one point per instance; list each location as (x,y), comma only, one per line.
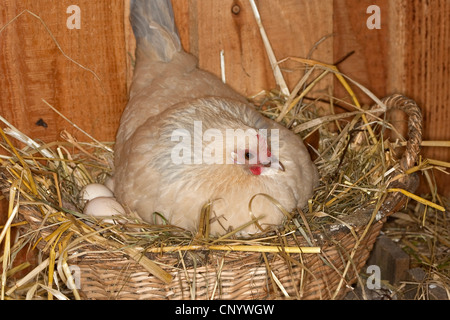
(248,155)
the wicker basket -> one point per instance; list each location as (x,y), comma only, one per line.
(112,274)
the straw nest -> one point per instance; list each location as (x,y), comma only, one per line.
(318,253)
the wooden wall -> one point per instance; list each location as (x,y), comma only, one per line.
(33,66)
(84,72)
(40,58)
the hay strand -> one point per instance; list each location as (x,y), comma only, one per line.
(270,54)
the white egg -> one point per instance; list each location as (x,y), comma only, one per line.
(104,207)
(95,190)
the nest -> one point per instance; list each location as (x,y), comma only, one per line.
(317,255)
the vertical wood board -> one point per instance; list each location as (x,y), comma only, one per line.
(41,58)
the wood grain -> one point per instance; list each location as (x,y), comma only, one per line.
(369,63)
(32,67)
(230,25)
(427,74)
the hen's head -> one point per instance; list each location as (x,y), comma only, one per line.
(215,132)
(253,151)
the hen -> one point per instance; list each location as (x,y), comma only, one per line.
(187,139)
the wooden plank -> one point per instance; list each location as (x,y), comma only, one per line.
(392,260)
(378,54)
(32,67)
(293,28)
(368,64)
(427,77)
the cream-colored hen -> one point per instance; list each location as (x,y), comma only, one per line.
(186,138)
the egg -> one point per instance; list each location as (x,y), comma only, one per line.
(104,207)
(94,190)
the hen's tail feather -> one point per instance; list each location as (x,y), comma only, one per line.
(154,27)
